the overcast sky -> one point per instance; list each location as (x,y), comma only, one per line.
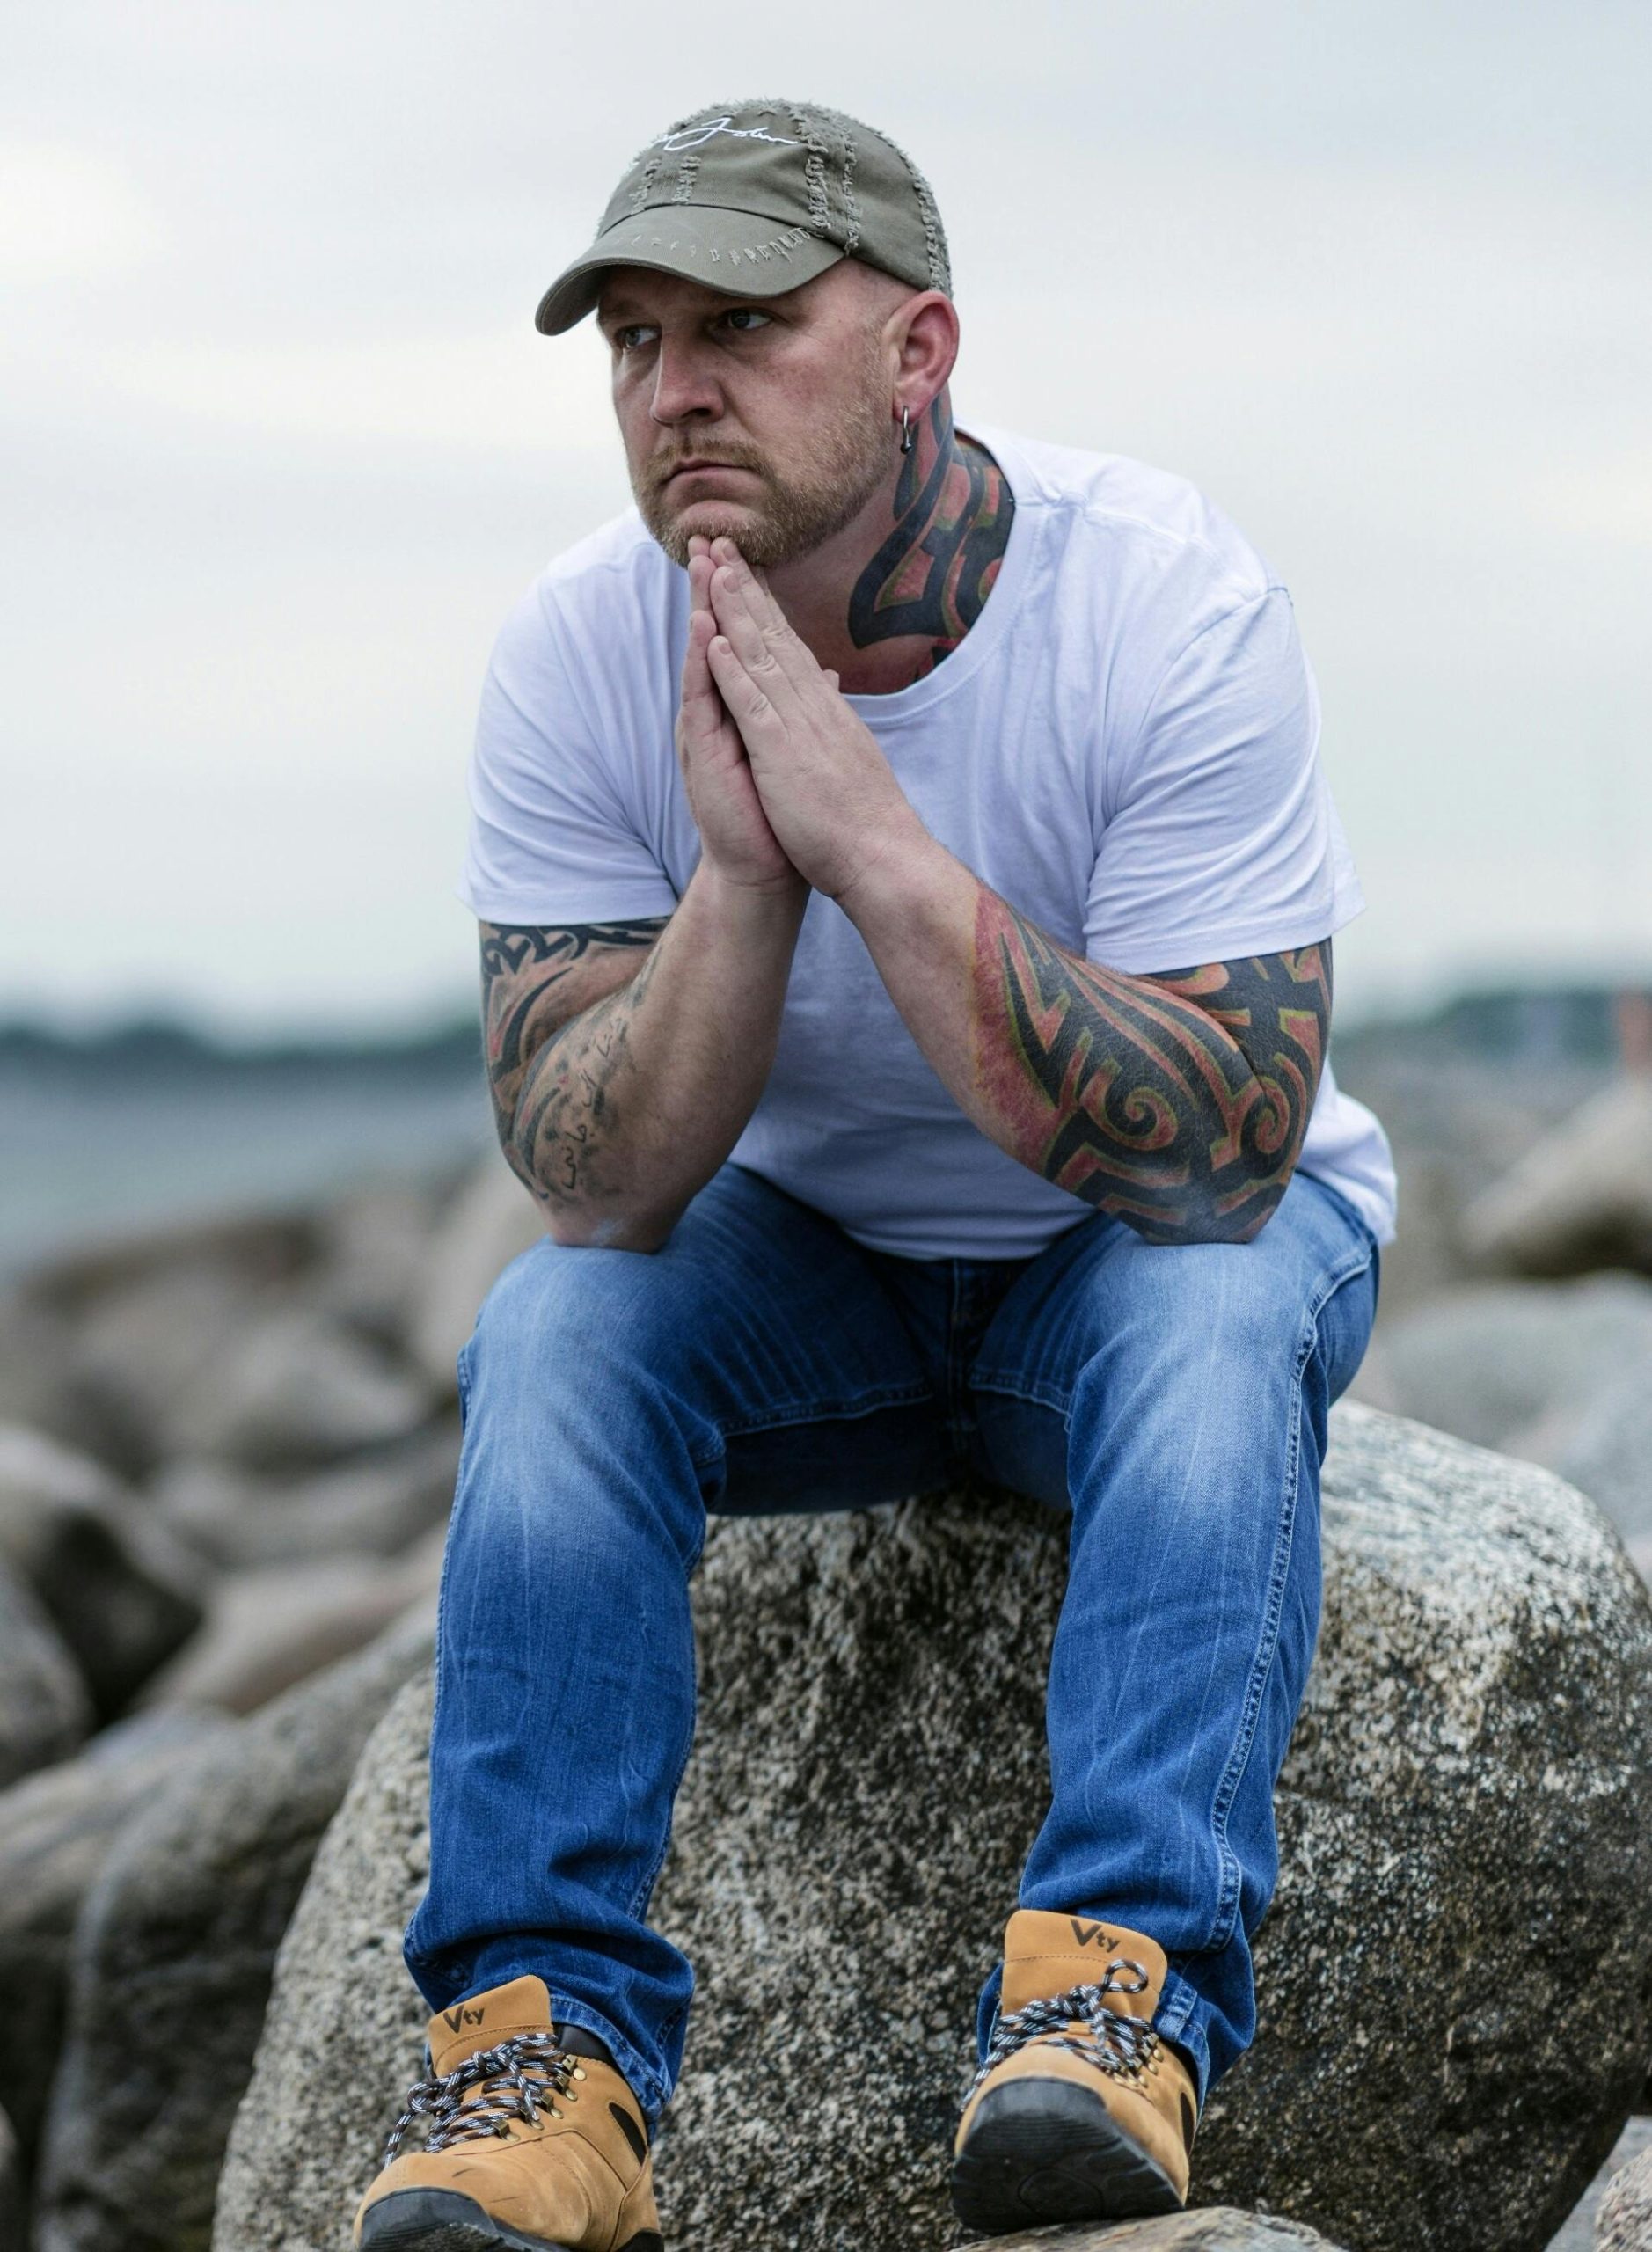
(279,444)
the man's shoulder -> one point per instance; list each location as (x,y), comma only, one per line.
(1130,519)
(618,556)
(608,586)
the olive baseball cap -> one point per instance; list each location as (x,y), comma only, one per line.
(754,198)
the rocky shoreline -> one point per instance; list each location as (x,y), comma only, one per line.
(226,1458)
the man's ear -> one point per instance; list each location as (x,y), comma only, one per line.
(923,337)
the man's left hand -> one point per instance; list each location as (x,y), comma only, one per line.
(825,785)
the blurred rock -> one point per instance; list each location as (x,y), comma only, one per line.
(1625,2223)
(1456,1967)
(374,1504)
(121,1592)
(55,1832)
(1581,1199)
(267,1630)
(491,1220)
(34,1353)
(1514,1365)
(1607,1448)
(292,1389)
(44,1708)
(11,2190)
(171,1964)
(373,1247)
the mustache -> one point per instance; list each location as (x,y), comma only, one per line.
(665,466)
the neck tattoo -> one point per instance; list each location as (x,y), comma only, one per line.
(932,574)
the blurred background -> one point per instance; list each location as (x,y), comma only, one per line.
(279,448)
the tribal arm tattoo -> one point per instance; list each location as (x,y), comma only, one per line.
(556,1009)
(931,575)
(1176,1102)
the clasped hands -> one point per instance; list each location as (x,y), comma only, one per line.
(786,782)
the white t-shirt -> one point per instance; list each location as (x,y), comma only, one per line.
(1124,746)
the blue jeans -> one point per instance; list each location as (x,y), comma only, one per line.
(1174,1399)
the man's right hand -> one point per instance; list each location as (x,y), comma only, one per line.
(735,839)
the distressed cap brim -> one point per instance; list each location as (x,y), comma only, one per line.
(740,254)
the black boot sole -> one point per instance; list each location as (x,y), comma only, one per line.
(1042,2150)
(442,2220)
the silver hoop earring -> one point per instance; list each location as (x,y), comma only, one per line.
(907,440)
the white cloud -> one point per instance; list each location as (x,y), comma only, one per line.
(70,213)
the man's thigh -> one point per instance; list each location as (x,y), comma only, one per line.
(1205,1342)
(758,1324)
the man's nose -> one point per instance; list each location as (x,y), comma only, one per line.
(683,383)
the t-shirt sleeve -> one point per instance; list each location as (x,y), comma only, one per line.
(552,838)
(1221,839)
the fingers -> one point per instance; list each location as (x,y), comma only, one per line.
(747,705)
(704,716)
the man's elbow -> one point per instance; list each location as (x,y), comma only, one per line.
(1211,1220)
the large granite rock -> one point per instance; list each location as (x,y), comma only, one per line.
(44,1708)
(56,1829)
(1454,1981)
(171,1963)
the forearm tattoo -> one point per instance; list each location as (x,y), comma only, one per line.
(551,1057)
(1176,1102)
(953,513)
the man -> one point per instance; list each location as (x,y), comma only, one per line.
(921,1072)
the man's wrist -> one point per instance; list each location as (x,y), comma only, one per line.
(776,905)
(900,886)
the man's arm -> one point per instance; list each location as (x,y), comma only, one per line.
(624,1058)
(1178,1102)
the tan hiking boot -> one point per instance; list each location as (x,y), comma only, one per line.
(529,2146)
(1080,2112)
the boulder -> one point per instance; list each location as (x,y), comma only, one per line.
(150,1333)
(44,1707)
(118,1589)
(1581,1198)
(294,1388)
(1625,2221)
(1457,1965)
(1607,1449)
(374,1243)
(267,1630)
(11,2187)
(56,1829)
(376,1504)
(171,1963)
(1515,1365)
(1217,2229)
(488,1223)
(1578,2234)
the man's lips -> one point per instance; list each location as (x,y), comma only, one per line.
(703,468)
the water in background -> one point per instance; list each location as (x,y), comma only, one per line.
(101,1138)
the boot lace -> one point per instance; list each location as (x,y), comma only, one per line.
(488,2092)
(1122,2047)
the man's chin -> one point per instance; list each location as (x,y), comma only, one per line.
(708,520)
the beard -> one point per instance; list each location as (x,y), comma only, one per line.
(799,508)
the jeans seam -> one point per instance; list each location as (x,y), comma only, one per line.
(1268,1643)
(822,1411)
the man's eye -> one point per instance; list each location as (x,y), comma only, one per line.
(632,338)
(745,318)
